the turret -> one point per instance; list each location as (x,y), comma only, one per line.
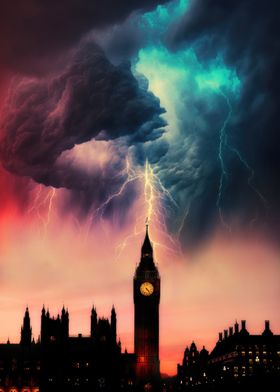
(114,324)
(186,356)
(65,322)
(243,330)
(26,331)
(93,323)
(267,331)
(54,329)
(147,260)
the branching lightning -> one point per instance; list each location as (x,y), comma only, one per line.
(155,196)
(223,143)
(131,175)
(51,196)
(43,201)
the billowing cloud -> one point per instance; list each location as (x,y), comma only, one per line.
(215,71)
(31,32)
(90,99)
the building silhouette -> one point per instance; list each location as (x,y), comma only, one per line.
(60,362)
(146,317)
(238,359)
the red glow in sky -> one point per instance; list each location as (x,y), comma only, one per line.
(52,260)
(76,114)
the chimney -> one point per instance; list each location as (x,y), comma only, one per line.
(230,331)
(267,331)
(220,336)
(236,327)
(225,333)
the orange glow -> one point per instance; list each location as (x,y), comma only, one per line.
(202,293)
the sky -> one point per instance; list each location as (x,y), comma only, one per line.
(158,110)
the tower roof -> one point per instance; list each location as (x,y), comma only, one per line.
(147,260)
(147,249)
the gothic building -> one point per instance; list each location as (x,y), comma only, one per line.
(238,359)
(60,362)
(146,318)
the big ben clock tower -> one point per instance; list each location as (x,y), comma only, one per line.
(146,316)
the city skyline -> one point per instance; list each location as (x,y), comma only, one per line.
(178,301)
(153,111)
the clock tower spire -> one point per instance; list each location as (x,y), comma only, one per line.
(146,316)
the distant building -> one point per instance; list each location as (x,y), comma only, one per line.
(194,366)
(237,358)
(59,362)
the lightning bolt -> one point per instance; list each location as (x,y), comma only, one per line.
(251,177)
(131,176)
(223,142)
(183,221)
(51,196)
(40,202)
(155,195)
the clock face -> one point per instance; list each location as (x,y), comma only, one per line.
(146,289)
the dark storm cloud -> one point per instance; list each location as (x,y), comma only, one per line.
(31,31)
(92,99)
(246,34)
